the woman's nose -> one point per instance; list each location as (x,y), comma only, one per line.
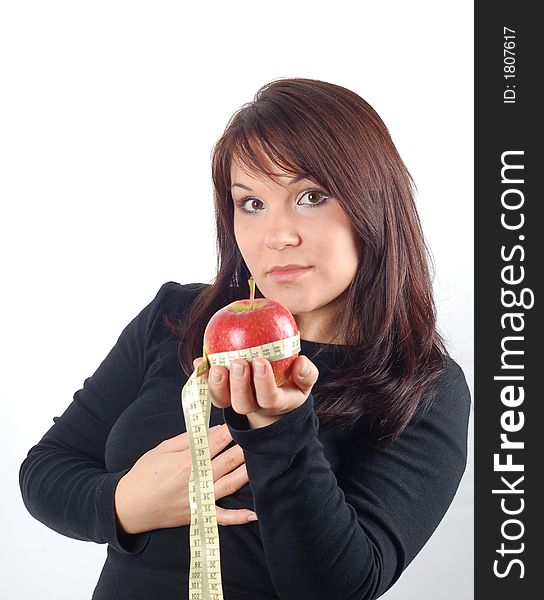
(281,232)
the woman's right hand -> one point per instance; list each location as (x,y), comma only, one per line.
(154,494)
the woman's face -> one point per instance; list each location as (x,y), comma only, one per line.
(292,221)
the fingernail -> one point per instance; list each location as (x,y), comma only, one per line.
(305,371)
(216,376)
(237,370)
(253,518)
(259,368)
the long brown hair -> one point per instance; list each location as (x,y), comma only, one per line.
(394,353)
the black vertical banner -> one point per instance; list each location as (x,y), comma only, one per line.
(509,266)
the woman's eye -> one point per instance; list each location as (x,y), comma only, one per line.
(249,205)
(314,198)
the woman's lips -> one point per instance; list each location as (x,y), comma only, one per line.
(285,275)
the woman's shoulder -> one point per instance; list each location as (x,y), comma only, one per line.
(170,306)
(451,399)
(174,298)
(452,376)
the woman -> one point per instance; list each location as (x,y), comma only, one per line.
(334,481)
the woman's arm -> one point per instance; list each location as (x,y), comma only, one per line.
(64,480)
(351,537)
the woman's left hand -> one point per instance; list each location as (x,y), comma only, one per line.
(263,402)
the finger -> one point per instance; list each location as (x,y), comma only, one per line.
(178,443)
(266,388)
(201,368)
(305,374)
(231,483)
(242,398)
(219,438)
(218,386)
(227,461)
(234,516)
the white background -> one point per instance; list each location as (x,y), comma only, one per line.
(108,113)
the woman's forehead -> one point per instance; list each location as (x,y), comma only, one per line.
(268,169)
(253,161)
(244,177)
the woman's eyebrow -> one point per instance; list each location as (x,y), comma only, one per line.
(291,182)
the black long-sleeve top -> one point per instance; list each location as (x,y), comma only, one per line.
(337,519)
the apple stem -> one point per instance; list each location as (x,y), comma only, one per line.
(251,282)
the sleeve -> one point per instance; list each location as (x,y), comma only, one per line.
(350,537)
(64,480)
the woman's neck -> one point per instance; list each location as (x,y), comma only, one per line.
(322,329)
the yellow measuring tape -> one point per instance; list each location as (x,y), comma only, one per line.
(205,569)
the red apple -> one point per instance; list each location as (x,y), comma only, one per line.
(238,326)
